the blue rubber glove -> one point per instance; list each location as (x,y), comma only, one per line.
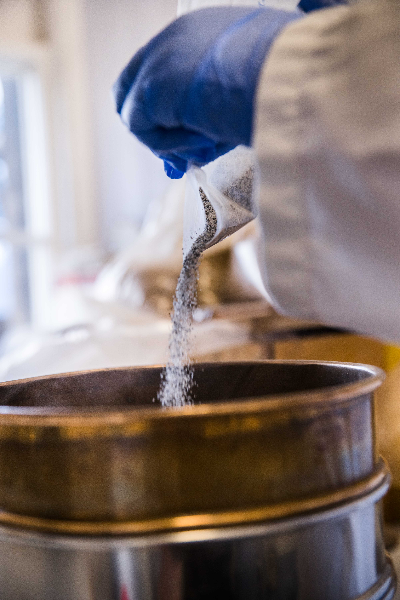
(189,93)
(311,5)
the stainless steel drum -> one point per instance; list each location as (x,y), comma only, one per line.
(268,488)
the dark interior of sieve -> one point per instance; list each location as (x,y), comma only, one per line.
(215,382)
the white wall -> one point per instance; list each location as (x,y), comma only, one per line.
(126,175)
(99,178)
(18,23)
(103,179)
(76,209)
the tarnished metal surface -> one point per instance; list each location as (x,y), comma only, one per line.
(95,446)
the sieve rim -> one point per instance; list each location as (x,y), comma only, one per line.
(334,395)
(285,514)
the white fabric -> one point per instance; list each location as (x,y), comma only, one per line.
(328,142)
(229,184)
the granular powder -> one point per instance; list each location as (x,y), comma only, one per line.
(177,378)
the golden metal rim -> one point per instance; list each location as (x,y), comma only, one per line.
(50,417)
(251,516)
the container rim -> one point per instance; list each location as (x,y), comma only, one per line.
(119,414)
(228,524)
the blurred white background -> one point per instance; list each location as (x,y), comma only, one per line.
(74,185)
(79,197)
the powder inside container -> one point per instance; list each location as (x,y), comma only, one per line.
(177,378)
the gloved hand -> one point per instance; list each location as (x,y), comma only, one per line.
(189,93)
(311,5)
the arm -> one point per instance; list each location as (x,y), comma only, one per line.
(325,122)
(327,138)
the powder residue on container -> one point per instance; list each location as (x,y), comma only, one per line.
(177,378)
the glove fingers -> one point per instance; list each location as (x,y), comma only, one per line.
(189,146)
(173,172)
(311,5)
(176,165)
(126,79)
(178,141)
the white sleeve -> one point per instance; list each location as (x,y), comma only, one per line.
(327,136)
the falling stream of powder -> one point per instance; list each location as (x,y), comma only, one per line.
(177,378)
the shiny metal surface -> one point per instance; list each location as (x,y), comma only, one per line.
(334,556)
(268,488)
(93,447)
(276,512)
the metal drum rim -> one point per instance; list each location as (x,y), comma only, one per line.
(305,510)
(330,396)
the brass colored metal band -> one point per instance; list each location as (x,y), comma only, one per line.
(251,516)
